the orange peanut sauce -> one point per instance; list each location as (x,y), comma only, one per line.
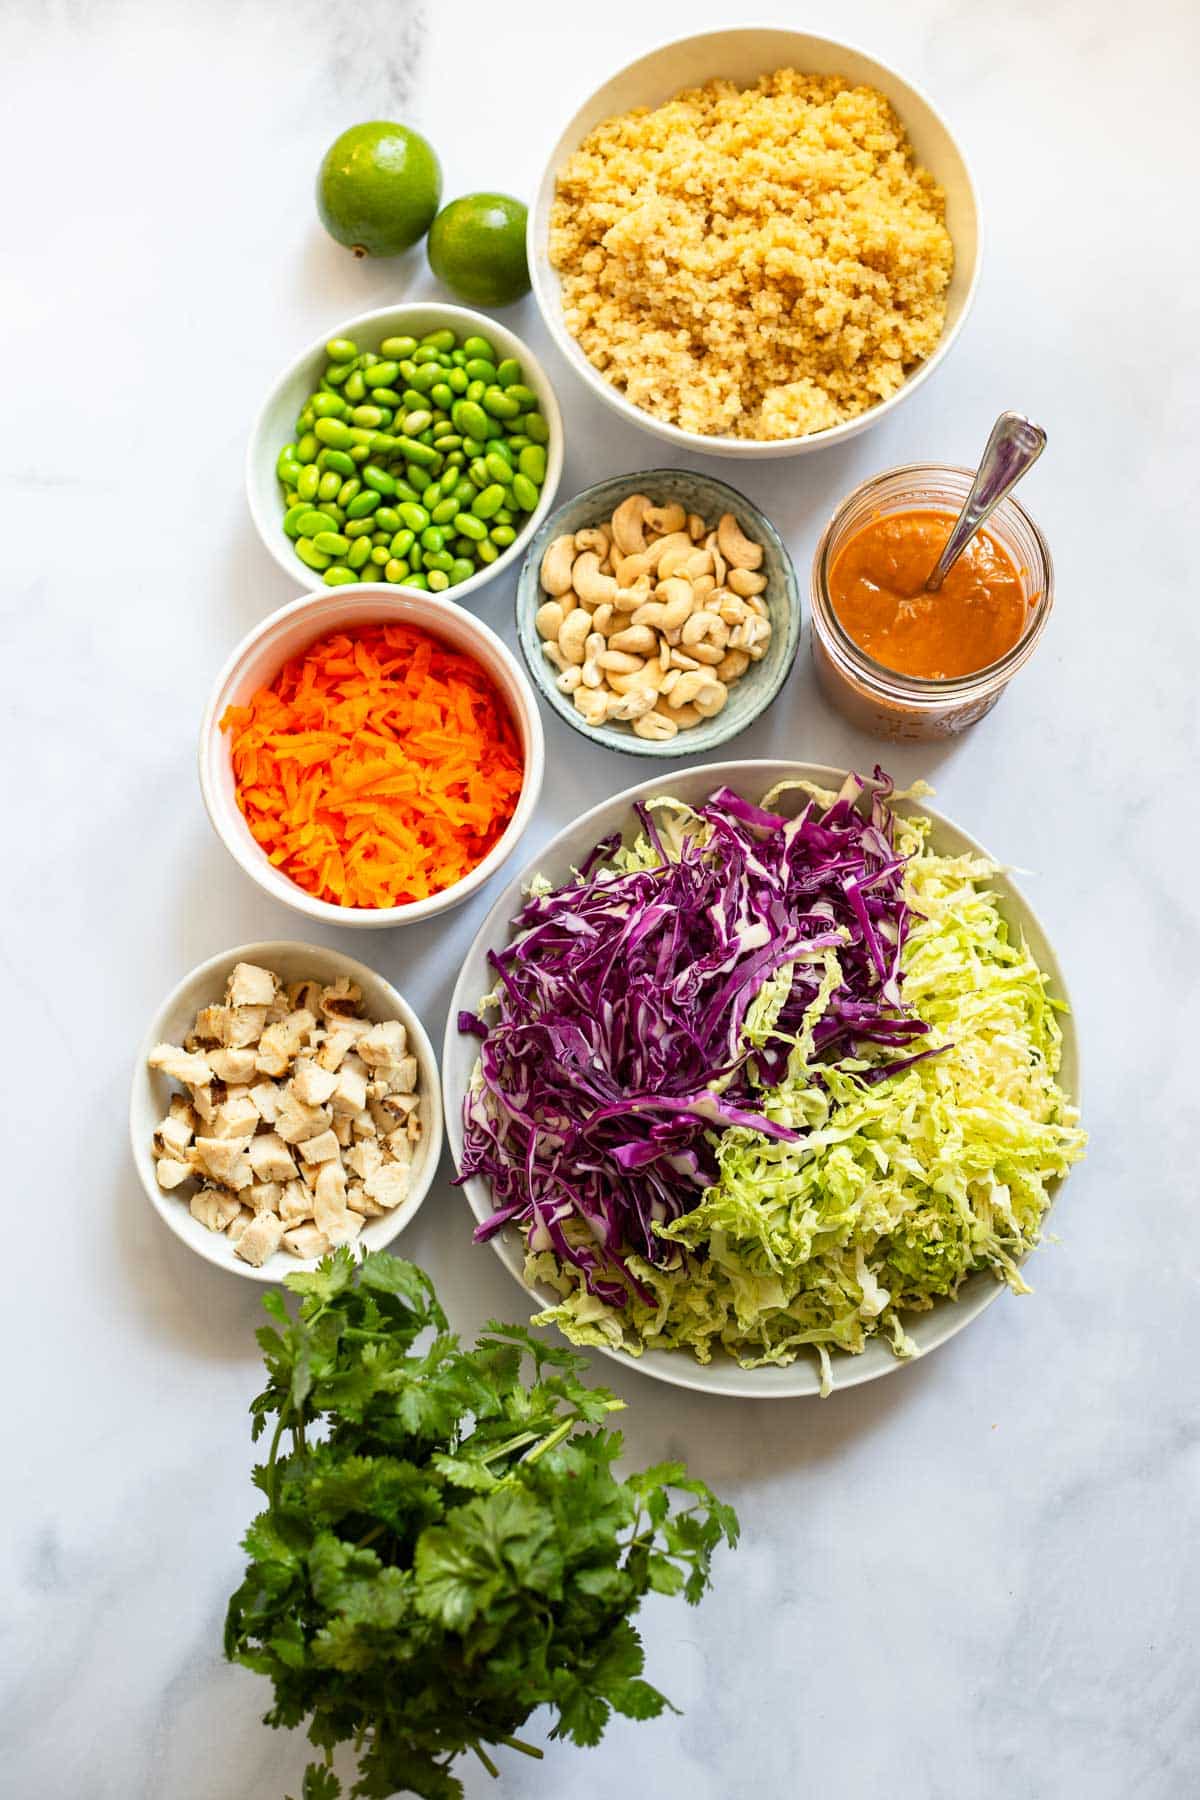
(876,585)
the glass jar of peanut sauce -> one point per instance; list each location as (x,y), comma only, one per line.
(884,701)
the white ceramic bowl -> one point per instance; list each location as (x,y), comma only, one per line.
(556,861)
(276,423)
(260,655)
(152,1093)
(742,55)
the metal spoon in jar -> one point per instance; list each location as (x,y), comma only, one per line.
(1011,451)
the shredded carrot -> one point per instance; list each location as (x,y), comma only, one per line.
(378,767)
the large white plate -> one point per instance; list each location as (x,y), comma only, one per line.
(560,856)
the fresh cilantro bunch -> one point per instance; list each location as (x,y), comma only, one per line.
(445,1545)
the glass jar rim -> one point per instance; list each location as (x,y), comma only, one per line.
(922,688)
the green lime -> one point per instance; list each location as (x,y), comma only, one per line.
(477,247)
(378,188)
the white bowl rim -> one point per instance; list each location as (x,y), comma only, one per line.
(724,445)
(174,1212)
(628,744)
(468,323)
(723,1376)
(506,843)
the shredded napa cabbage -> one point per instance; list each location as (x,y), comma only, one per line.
(899,1189)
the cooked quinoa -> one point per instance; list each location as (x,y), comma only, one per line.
(761,262)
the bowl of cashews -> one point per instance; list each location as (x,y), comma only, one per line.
(659,613)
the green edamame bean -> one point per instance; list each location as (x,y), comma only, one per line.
(481,368)
(419,582)
(536,428)
(503,536)
(476,448)
(487,551)
(381,374)
(338,373)
(476,390)
(287,468)
(356,528)
(508,372)
(387,520)
(358,552)
(431,495)
(379,479)
(425,356)
(445,438)
(442,394)
(524,397)
(438,580)
(414,516)
(404,492)
(341,350)
(293,516)
(415,557)
(432,538)
(457,380)
(469,418)
(497,467)
(370,417)
(418,477)
(334,433)
(524,492)
(379,556)
(403,542)
(307,446)
(464,547)
(395,570)
(338,575)
(500,447)
(499,404)
(505,516)
(333,512)
(358,453)
(441,340)
(478,346)
(477,470)
(351,486)
(454,460)
(531,461)
(468,526)
(363,504)
(306,482)
(398,349)
(329,485)
(308,553)
(517,441)
(461,569)
(329,406)
(444,511)
(387,396)
(417,421)
(331,543)
(337,461)
(355,388)
(413,450)
(290,497)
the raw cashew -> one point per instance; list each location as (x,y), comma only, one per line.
(628,600)
(732,666)
(593,674)
(733,611)
(632,705)
(573,636)
(708,653)
(629,569)
(711,700)
(685,717)
(678,559)
(691,683)
(597,538)
(548,619)
(554,655)
(637,638)
(556,565)
(662,519)
(699,626)
(739,552)
(651,676)
(683,659)
(620,662)
(591,704)
(663,546)
(745,581)
(696,527)
(602,618)
(656,726)
(627,531)
(588,582)
(570,678)
(703,587)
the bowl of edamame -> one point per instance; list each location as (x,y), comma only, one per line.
(418,445)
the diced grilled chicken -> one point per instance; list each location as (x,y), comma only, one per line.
(270,1158)
(171,1173)
(236,1067)
(321,1149)
(224,1160)
(250,986)
(260,1239)
(213,1208)
(187,1066)
(306,1240)
(383,1046)
(311,1083)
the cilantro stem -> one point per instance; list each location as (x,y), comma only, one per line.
(525,1749)
(548,1443)
(486,1760)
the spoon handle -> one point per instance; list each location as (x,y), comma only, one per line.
(1012,449)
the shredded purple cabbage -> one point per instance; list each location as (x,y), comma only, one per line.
(620,1004)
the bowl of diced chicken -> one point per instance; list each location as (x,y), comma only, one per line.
(286,1100)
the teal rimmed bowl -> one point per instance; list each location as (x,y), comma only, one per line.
(703,494)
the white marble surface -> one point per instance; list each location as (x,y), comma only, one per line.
(975,1579)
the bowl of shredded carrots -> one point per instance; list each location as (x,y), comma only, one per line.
(370,756)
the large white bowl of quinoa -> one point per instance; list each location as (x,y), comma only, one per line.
(755,242)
